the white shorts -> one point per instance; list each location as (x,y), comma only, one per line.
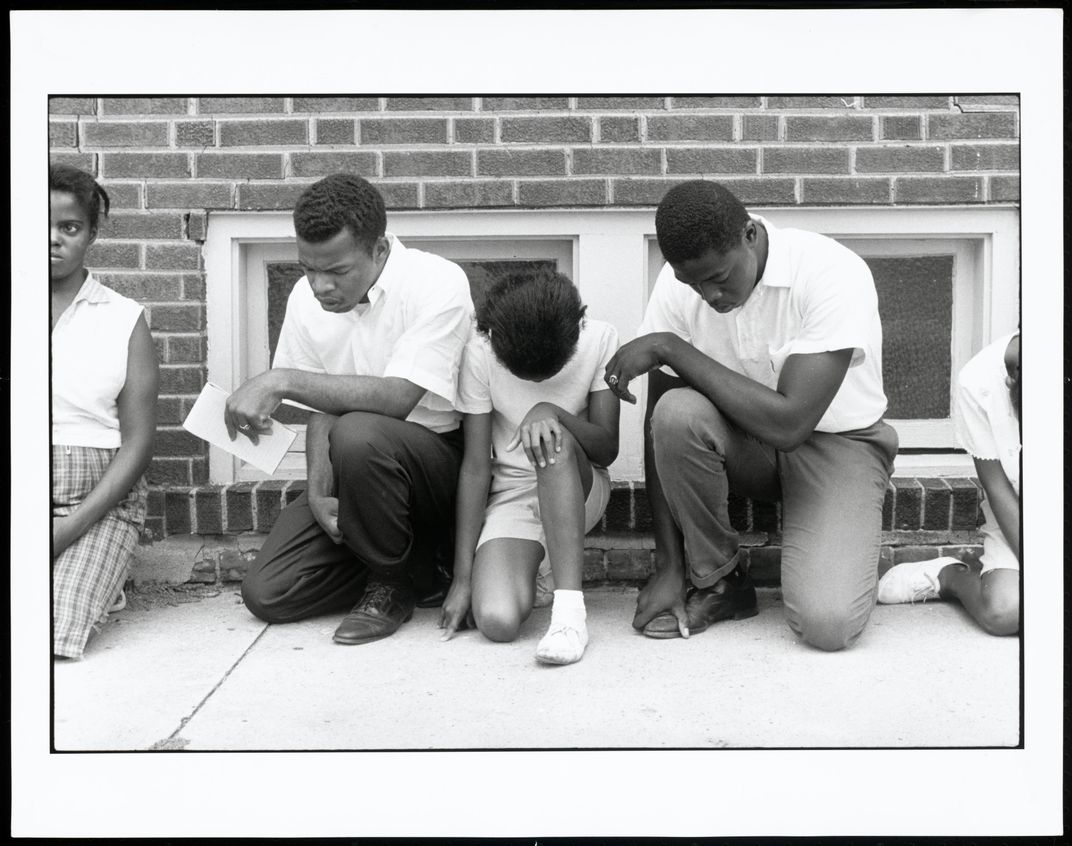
(997,554)
(515,512)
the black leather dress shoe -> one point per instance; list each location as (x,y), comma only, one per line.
(379,614)
(731,598)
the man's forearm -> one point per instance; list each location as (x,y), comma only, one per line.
(338,395)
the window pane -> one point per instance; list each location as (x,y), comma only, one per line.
(915,299)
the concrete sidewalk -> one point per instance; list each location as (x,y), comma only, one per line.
(207,675)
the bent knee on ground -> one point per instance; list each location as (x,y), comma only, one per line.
(500,624)
(827,629)
(358,433)
(1000,612)
(263,602)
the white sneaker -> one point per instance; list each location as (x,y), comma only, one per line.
(120,602)
(913,581)
(563,644)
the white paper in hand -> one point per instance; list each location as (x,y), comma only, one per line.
(206,421)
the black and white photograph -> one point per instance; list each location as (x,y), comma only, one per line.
(723,309)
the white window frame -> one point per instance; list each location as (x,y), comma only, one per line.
(611,259)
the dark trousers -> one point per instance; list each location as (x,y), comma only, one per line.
(396,483)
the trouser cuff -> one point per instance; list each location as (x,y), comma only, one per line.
(707,578)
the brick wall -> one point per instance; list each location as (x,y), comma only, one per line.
(169,162)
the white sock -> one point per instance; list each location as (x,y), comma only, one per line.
(567,635)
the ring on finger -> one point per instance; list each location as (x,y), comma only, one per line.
(612,380)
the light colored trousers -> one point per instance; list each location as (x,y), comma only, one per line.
(831,489)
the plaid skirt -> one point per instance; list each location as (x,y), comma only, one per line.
(88,575)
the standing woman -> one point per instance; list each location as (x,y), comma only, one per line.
(104,383)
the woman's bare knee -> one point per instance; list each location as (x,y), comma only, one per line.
(499,624)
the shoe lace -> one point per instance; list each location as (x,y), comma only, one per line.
(378,595)
(926,589)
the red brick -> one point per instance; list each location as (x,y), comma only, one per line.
(632,564)
(104,254)
(841,128)
(909,102)
(846,101)
(546,162)
(268,498)
(711,160)
(239,166)
(965,553)
(619,130)
(252,133)
(1004,189)
(618,516)
(82,161)
(176,442)
(190,195)
(901,159)
(988,100)
(617,161)
(123,195)
(141,165)
(321,105)
(170,472)
(193,286)
(976,125)
(901,127)
(715,102)
(763,563)
(564,192)
(399,195)
(759,128)
(239,498)
(145,287)
(765,516)
(144,106)
(195,133)
(845,191)
(62,133)
(239,105)
(966,511)
(621,102)
(154,505)
(523,130)
(172,257)
(72,105)
(523,104)
(177,318)
(805,160)
(321,164)
(887,508)
(196,224)
(336,131)
(985,157)
(472,194)
(142,225)
(428,163)
(938,189)
(902,554)
(199,470)
(160,342)
(937,504)
(180,379)
(127,134)
(169,410)
(648,192)
(740,510)
(643,521)
(684,127)
(908,503)
(293,491)
(259,196)
(474,131)
(177,508)
(403,131)
(429,104)
(208,511)
(593,568)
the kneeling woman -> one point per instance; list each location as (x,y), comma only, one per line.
(104,383)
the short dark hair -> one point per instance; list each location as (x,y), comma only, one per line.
(534,320)
(698,216)
(83,187)
(341,200)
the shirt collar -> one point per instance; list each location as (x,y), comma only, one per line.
(776,272)
(389,272)
(91,291)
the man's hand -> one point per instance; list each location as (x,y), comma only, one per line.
(62,534)
(636,358)
(664,592)
(540,434)
(249,409)
(326,511)
(455,608)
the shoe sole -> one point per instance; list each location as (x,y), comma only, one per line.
(738,614)
(357,641)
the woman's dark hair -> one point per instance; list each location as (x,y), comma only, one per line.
(337,201)
(698,216)
(83,187)
(533,320)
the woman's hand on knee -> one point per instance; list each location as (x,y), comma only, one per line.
(540,435)
(326,511)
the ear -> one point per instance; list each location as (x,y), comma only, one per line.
(381,249)
(750,236)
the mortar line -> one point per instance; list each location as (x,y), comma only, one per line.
(184,721)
